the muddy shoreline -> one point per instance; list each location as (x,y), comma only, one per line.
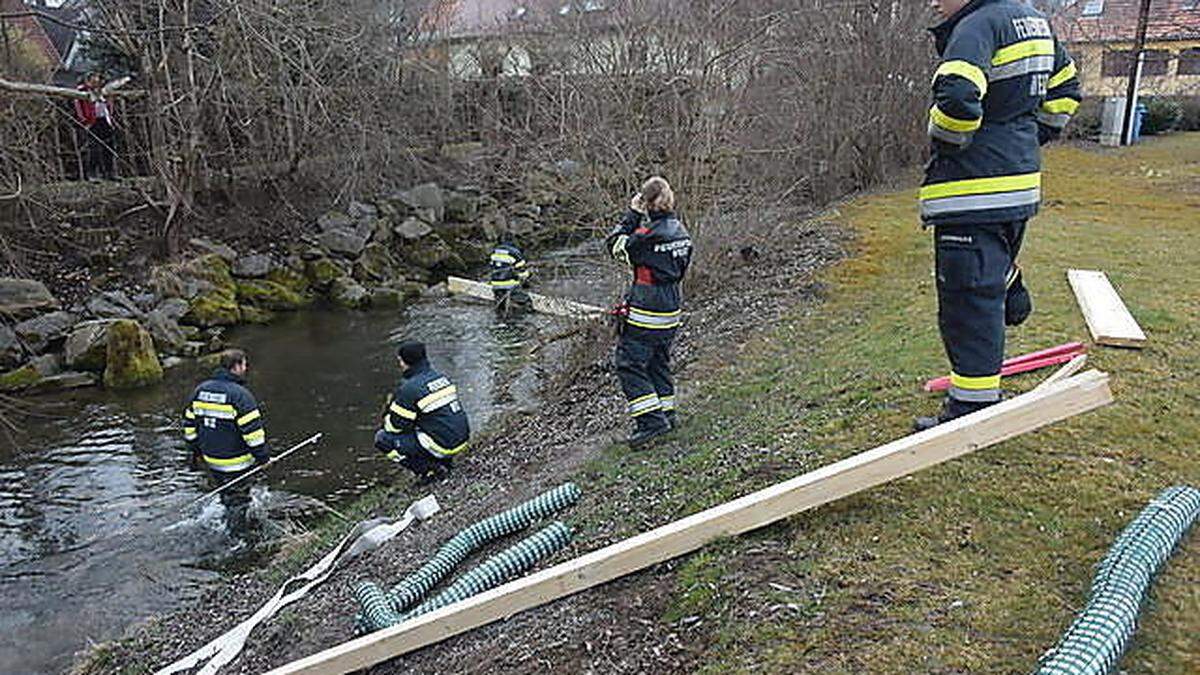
(618,627)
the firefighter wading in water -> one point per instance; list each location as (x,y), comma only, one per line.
(1004,87)
(224,429)
(653,241)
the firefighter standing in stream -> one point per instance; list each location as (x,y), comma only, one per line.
(1004,86)
(224,429)
(653,241)
(508,274)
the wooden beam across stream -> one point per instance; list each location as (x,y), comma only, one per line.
(992,425)
(540,303)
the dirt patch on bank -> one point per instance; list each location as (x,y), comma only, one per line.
(617,627)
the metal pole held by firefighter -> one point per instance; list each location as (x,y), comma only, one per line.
(302,444)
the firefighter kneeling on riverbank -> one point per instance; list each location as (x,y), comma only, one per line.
(653,241)
(509,272)
(224,429)
(425,425)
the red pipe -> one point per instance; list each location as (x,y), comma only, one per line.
(1021,364)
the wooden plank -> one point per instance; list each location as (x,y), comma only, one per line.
(1107,316)
(540,303)
(1073,366)
(888,462)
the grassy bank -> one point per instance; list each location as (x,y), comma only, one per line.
(977,565)
(973,566)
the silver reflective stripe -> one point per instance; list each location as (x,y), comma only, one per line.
(644,319)
(644,404)
(999,200)
(1033,64)
(959,138)
(975,395)
(1013,273)
(1057,121)
(218,414)
(667,402)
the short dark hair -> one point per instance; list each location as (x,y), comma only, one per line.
(411,352)
(232,357)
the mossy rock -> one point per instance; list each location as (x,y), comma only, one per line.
(132,361)
(292,277)
(216,303)
(348,293)
(267,295)
(431,253)
(214,308)
(22,378)
(322,272)
(257,315)
(375,265)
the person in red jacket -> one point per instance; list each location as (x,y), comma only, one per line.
(96,118)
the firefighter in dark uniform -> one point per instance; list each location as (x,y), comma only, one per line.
(224,429)
(509,274)
(653,241)
(1004,86)
(425,425)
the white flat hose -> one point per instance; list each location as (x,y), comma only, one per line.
(365,536)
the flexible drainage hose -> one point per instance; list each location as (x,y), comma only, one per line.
(416,585)
(507,564)
(377,612)
(1098,637)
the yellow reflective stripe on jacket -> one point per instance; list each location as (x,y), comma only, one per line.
(255,438)
(982,186)
(218,410)
(402,411)
(388,426)
(437,449)
(964,69)
(190,433)
(503,258)
(438,399)
(189,414)
(504,283)
(974,383)
(1069,71)
(1023,50)
(229,463)
(1061,106)
(953,123)
(249,417)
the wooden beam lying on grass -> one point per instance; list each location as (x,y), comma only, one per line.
(899,458)
(1070,368)
(1107,316)
(540,303)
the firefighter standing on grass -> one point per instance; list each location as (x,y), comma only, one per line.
(653,241)
(1004,87)
(224,429)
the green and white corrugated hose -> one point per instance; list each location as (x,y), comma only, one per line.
(384,609)
(1099,636)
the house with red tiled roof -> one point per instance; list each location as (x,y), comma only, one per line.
(515,38)
(26,50)
(1100,35)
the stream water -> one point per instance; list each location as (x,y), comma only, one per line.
(92,535)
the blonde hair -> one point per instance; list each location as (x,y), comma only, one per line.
(658,195)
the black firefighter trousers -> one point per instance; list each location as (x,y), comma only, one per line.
(980,290)
(643,362)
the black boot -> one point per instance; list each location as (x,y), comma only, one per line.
(952,408)
(436,473)
(649,427)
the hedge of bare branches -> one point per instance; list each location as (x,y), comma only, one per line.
(743,103)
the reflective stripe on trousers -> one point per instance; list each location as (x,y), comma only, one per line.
(230,464)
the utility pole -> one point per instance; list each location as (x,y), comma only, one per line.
(1135,72)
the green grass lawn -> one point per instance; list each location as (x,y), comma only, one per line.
(977,565)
